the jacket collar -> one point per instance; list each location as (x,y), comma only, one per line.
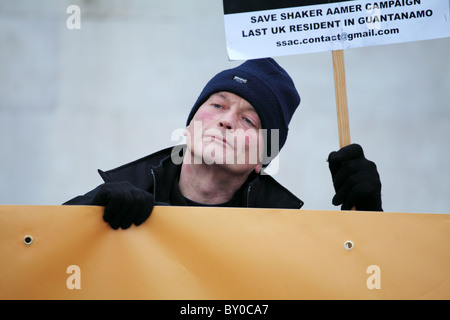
(157,172)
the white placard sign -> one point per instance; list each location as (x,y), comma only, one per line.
(267,28)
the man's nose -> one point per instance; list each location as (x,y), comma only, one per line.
(225,124)
(227,121)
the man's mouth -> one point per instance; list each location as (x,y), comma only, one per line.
(219,139)
(215,138)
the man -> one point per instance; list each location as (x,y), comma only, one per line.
(238,124)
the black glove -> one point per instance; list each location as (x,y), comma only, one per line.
(355,179)
(124,204)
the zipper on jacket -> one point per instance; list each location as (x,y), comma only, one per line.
(154,183)
(248,195)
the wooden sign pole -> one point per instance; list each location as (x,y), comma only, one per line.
(341,97)
(340,89)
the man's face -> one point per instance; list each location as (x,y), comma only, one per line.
(225,131)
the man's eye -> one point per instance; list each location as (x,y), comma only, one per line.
(249,121)
(218,106)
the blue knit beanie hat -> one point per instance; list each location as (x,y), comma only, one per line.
(267,87)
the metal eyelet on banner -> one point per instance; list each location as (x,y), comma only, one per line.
(349,245)
(28,240)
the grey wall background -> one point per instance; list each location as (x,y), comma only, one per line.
(73,101)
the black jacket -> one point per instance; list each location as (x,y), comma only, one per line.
(158,174)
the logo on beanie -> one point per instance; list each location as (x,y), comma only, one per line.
(240,80)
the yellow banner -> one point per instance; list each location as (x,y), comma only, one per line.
(68,252)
